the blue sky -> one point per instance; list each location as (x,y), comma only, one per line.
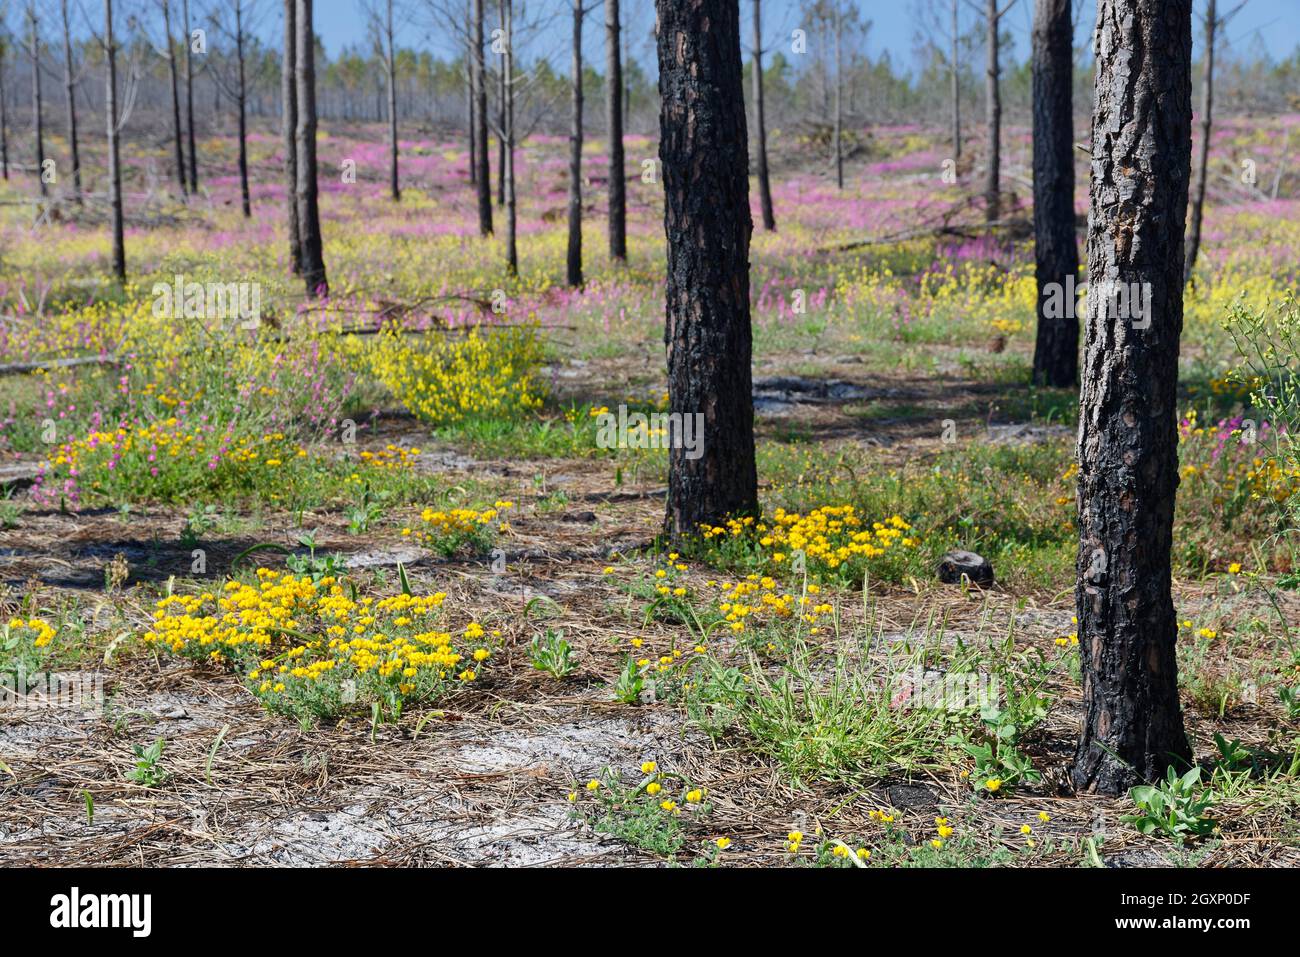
(1273,23)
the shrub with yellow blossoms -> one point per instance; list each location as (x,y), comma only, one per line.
(316,649)
(448,530)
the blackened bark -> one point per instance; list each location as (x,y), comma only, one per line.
(760,124)
(289,111)
(839,98)
(37,111)
(114,163)
(1056,255)
(1203,148)
(176,103)
(614,122)
(993,119)
(1128,442)
(390,65)
(469,92)
(189,97)
(4,118)
(313,264)
(483,178)
(242,103)
(70,90)
(508,91)
(501,109)
(573,263)
(704,153)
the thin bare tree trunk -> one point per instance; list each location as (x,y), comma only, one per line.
(614,122)
(189,97)
(839,97)
(177,133)
(573,262)
(114,165)
(313,263)
(1203,148)
(512,250)
(483,176)
(1128,438)
(37,118)
(956,89)
(242,104)
(69,86)
(4,118)
(390,66)
(289,118)
(704,152)
(501,110)
(993,119)
(760,124)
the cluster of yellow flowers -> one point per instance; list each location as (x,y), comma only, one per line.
(291,632)
(831,536)
(452,379)
(42,633)
(447,528)
(391,457)
(757,598)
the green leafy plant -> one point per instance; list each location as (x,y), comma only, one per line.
(146,771)
(630,683)
(1177,807)
(552,653)
(368,509)
(999,764)
(199,521)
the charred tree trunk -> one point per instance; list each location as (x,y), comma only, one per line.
(1056,255)
(512,222)
(993,118)
(573,264)
(1203,148)
(501,109)
(4,118)
(614,121)
(289,111)
(114,164)
(956,88)
(760,124)
(704,154)
(469,92)
(189,97)
(38,122)
(313,263)
(177,132)
(1128,441)
(390,71)
(483,178)
(242,103)
(70,89)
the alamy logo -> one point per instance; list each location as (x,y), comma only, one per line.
(227,301)
(656,430)
(1117,300)
(74,910)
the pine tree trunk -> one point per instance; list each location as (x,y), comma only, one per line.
(289,118)
(1056,255)
(501,111)
(1128,441)
(394,187)
(114,163)
(573,263)
(704,153)
(4,120)
(245,200)
(760,124)
(469,92)
(177,134)
(37,111)
(313,263)
(614,121)
(993,118)
(483,179)
(1203,148)
(69,87)
(189,98)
